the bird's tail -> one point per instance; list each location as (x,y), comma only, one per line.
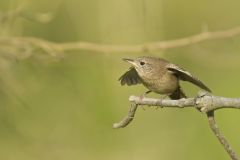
(178,94)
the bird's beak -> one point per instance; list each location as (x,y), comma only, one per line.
(131,61)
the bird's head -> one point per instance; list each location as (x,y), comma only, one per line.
(143,65)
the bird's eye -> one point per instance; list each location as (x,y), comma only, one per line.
(142,63)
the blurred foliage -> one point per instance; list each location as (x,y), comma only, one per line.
(64,109)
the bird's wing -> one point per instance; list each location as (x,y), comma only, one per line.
(186,76)
(131,77)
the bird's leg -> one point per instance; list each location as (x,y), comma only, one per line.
(143,95)
(161,98)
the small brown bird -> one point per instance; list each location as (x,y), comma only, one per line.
(158,75)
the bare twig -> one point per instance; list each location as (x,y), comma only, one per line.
(205,102)
(219,135)
(181,103)
(126,120)
(107,48)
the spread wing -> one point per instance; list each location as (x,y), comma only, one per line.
(130,77)
(186,76)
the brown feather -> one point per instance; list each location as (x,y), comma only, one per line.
(186,76)
(130,77)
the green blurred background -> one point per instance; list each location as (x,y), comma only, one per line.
(64,108)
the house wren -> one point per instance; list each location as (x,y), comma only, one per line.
(159,76)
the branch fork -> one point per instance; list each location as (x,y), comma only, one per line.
(204,102)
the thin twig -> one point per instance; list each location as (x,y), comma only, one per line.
(126,120)
(219,135)
(109,48)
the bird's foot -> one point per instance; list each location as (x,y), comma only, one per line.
(142,96)
(143,107)
(161,99)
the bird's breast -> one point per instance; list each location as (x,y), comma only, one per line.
(164,84)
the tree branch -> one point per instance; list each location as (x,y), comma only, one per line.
(219,135)
(204,102)
(126,120)
(49,46)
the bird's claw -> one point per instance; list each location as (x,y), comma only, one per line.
(143,108)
